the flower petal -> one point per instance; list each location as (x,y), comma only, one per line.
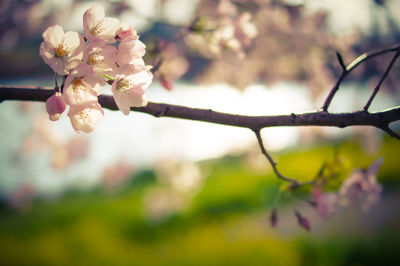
(54,35)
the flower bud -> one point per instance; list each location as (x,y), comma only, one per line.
(303,221)
(55,106)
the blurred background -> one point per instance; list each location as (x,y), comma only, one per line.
(145,191)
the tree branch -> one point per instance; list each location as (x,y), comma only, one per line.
(294,182)
(378,86)
(350,67)
(360,118)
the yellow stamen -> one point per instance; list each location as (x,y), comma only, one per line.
(124,86)
(78,84)
(98,28)
(60,51)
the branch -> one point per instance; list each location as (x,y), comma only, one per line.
(381,80)
(350,67)
(294,182)
(360,118)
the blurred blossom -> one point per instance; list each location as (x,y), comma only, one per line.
(362,187)
(326,203)
(78,147)
(21,198)
(230,34)
(160,203)
(115,175)
(182,176)
(174,65)
(63,152)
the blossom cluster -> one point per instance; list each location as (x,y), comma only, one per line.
(109,52)
(361,187)
(229,31)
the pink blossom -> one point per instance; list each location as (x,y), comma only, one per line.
(125,32)
(101,56)
(61,51)
(84,117)
(245,30)
(129,85)
(131,51)
(326,203)
(55,106)
(97,26)
(362,187)
(82,86)
(165,82)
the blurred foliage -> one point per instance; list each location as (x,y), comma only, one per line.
(225,224)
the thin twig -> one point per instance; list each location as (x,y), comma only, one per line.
(391,132)
(378,86)
(350,67)
(274,164)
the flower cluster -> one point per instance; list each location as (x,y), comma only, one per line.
(229,31)
(361,187)
(90,62)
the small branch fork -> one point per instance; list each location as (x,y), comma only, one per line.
(379,120)
(346,70)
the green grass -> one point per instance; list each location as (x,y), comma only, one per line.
(225,223)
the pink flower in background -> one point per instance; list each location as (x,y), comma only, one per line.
(97,26)
(245,30)
(129,85)
(84,117)
(125,32)
(55,106)
(61,51)
(131,51)
(326,203)
(101,56)
(82,86)
(362,187)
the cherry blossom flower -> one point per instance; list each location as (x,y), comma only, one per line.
(55,106)
(97,26)
(245,30)
(362,187)
(131,51)
(326,203)
(125,32)
(61,51)
(82,86)
(84,117)
(101,56)
(129,85)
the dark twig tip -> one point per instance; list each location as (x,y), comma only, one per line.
(340,59)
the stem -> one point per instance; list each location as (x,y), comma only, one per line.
(350,67)
(378,86)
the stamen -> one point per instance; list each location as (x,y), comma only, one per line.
(60,51)
(96,60)
(98,28)
(124,86)
(78,84)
